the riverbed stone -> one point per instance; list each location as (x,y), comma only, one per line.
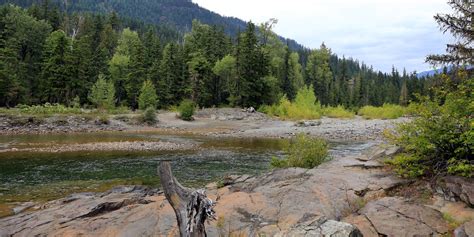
(465,230)
(321,227)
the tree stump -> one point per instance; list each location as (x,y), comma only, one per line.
(192,207)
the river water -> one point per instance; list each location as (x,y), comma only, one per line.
(41,177)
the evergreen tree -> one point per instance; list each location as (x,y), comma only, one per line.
(55,78)
(137,74)
(404,94)
(102,94)
(22,39)
(200,74)
(460,25)
(170,86)
(226,70)
(319,74)
(252,69)
(148,97)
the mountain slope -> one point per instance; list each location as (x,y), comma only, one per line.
(176,13)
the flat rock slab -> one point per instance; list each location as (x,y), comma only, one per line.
(394,216)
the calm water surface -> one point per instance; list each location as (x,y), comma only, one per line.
(45,176)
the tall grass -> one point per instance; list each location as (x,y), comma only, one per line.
(387,111)
(337,112)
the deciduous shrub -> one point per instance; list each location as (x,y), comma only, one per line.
(303,151)
(440,139)
(186,110)
(387,111)
(305,106)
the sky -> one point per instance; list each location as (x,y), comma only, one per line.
(382,33)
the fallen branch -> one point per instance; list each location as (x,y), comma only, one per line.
(192,207)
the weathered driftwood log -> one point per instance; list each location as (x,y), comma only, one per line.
(192,207)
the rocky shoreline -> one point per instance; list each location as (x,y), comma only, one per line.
(348,196)
(225,122)
(109,146)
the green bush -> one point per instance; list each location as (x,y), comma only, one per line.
(186,110)
(305,106)
(440,139)
(337,112)
(149,116)
(303,151)
(387,111)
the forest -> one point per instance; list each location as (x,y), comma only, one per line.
(53,55)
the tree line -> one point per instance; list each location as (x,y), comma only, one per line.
(50,55)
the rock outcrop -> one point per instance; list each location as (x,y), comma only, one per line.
(339,198)
(457,188)
(393,216)
(465,230)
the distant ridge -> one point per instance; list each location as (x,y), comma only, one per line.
(434,72)
(178,14)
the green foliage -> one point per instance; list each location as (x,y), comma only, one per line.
(252,68)
(305,106)
(319,73)
(440,139)
(47,109)
(149,116)
(303,151)
(407,166)
(186,110)
(387,111)
(148,97)
(337,112)
(103,94)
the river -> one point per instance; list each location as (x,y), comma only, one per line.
(39,177)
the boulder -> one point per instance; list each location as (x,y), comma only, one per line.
(465,230)
(322,227)
(456,188)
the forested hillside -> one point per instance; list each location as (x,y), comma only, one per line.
(176,14)
(50,55)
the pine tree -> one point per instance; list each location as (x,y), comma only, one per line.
(252,68)
(136,76)
(148,97)
(55,78)
(226,70)
(319,74)
(404,94)
(22,40)
(460,25)
(102,94)
(169,86)
(200,76)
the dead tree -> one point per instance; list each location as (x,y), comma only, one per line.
(192,207)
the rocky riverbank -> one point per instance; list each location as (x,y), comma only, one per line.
(16,124)
(109,146)
(225,122)
(348,196)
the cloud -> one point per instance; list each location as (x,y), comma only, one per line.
(380,33)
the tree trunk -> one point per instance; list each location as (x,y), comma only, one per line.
(192,207)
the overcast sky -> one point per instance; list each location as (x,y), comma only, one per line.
(379,32)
